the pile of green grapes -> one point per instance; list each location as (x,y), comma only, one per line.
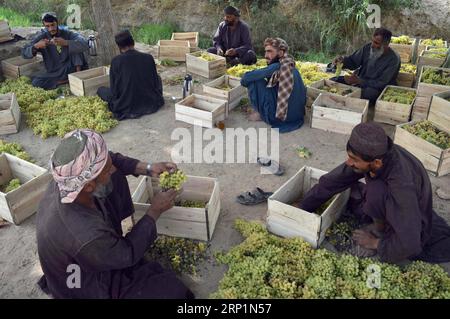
(206,57)
(336,90)
(436,76)
(14,149)
(180,254)
(434,43)
(172,180)
(267,266)
(435,55)
(12,185)
(408,68)
(427,131)
(403,39)
(398,95)
(168,62)
(191,204)
(48,116)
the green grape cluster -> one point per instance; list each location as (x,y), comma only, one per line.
(403,39)
(336,89)
(206,57)
(168,62)
(14,149)
(267,266)
(398,95)
(12,185)
(191,203)
(408,68)
(433,42)
(435,54)
(172,180)
(303,152)
(427,131)
(48,116)
(180,254)
(436,76)
(240,69)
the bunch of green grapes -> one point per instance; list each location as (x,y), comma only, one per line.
(12,185)
(435,55)
(403,39)
(172,180)
(168,62)
(180,254)
(311,72)
(240,69)
(427,131)
(398,95)
(303,152)
(408,68)
(437,49)
(207,57)
(191,203)
(336,90)
(436,76)
(14,149)
(433,42)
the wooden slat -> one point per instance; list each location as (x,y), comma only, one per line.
(439,112)
(5,171)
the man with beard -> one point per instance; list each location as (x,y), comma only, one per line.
(81,247)
(376,65)
(62,51)
(232,39)
(277,93)
(396,199)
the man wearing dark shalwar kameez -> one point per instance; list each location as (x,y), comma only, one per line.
(277,93)
(396,199)
(81,248)
(376,65)
(62,51)
(232,39)
(135,86)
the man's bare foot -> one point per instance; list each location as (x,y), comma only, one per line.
(254,117)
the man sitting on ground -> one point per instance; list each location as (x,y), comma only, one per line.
(135,86)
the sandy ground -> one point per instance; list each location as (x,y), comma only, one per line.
(149,138)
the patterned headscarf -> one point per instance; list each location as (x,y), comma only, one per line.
(284,77)
(74,175)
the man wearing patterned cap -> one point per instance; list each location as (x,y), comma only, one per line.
(232,39)
(277,93)
(79,226)
(396,199)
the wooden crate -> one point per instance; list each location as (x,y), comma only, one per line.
(339,114)
(405,51)
(314,89)
(15,67)
(86,83)
(439,112)
(424,93)
(5,31)
(22,202)
(201,110)
(390,112)
(9,114)
(406,79)
(173,50)
(206,69)
(193,223)
(435,159)
(233,96)
(423,47)
(426,60)
(192,37)
(288,221)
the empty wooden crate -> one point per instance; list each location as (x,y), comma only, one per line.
(405,51)
(16,67)
(434,158)
(335,88)
(339,114)
(21,203)
(201,110)
(5,31)
(9,114)
(173,50)
(285,220)
(227,88)
(196,64)
(86,83)
(187,222)
(192,37)
(439,112)
(393,112)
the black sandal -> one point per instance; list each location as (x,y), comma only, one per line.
(270,166)
(256,197)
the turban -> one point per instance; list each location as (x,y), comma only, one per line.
(369,139)
(79,159)
(277,43)
(231,11)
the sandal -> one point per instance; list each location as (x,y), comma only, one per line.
(270,166)
(258,196)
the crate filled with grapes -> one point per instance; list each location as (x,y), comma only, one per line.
(205,64)
(22,186)
(429,143)
(404,46)
(394,105)
(439,112)
(173,49)
(331,87)
(286,220)
(196,209)
(424,43)
(338,114)
(407,75)
(228,88)
(432,57)
(9,114)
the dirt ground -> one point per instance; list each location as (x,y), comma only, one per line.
(149,138)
